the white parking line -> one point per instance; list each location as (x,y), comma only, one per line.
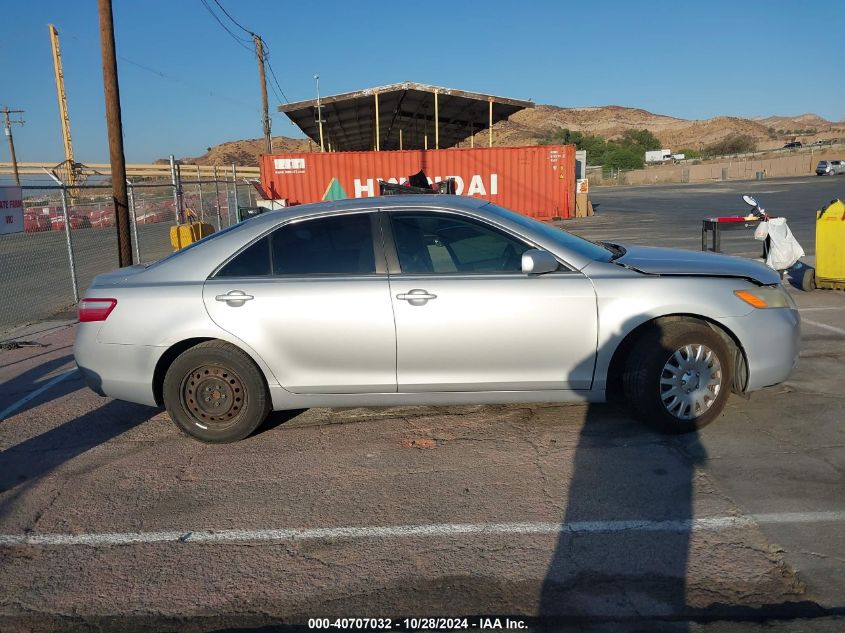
(824,326)
(406,531)
(5,413)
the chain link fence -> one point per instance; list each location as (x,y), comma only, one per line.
(70,237)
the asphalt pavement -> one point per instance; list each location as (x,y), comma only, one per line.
(570,516)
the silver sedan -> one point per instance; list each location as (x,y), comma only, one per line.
(429,300)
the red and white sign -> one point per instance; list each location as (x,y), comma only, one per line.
(11,210)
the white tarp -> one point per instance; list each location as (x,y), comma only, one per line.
(11,210)
(784,249)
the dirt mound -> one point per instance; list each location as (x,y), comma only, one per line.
(246,153)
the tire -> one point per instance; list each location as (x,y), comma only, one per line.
(808,280)
(663,360)
(215,393)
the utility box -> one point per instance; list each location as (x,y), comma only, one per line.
(830,246)
(184,234)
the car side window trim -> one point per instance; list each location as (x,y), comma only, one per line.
(381,267)
(392,255)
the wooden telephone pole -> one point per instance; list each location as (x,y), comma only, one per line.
(8,127)
(115,129)
(259,53)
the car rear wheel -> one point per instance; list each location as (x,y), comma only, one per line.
(678,376)
(215,393)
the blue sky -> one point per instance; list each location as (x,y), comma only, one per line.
(686,59)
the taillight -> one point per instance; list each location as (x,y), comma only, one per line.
(95,309)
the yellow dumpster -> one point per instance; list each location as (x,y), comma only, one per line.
(184,234)
(830,246)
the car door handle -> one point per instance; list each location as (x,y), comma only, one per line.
(417,296)
(234,298)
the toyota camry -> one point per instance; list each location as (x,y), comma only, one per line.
(429,300)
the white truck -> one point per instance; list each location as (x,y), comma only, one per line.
(658,155)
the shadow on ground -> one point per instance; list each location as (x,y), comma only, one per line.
(24,464)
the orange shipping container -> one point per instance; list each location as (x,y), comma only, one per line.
(536,181)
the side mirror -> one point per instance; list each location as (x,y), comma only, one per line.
(537,262)
(749,200)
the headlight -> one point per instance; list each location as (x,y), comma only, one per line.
(766,297)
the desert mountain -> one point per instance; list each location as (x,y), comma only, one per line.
(527,126)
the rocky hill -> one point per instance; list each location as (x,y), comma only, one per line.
(527,126)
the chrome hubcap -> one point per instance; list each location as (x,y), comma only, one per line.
(690,381)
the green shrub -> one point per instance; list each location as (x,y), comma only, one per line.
(736,144)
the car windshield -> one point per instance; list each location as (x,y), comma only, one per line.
(583,247)
(822,163)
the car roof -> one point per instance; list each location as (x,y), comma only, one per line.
(415,201)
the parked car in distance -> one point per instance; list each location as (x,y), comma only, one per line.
(429,300)
(838,166)
(792,145)
(824,168)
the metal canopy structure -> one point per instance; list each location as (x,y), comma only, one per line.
(400,116)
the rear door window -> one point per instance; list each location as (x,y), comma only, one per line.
(339,245)
(335,245)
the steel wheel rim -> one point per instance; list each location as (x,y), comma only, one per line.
(213,396)
(690,381)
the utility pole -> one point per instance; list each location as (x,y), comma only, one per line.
(8,127)
(111,90)
(259,53)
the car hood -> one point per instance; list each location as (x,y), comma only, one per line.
(672,261)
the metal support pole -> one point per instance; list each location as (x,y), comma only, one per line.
(228,203)
(175,188)
(490,124)
(320,114)
(400,138)
(378,132)
(471,134)
(436,123)
(133,222)
(69,241)
(235,187)
(217,197)
(199,189)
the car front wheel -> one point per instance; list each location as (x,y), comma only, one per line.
(678,376)
(215,393)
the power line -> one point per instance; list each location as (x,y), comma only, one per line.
(240,41)
(189,84)
(163,75)
(277,88)
(238,24)
(273,75)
